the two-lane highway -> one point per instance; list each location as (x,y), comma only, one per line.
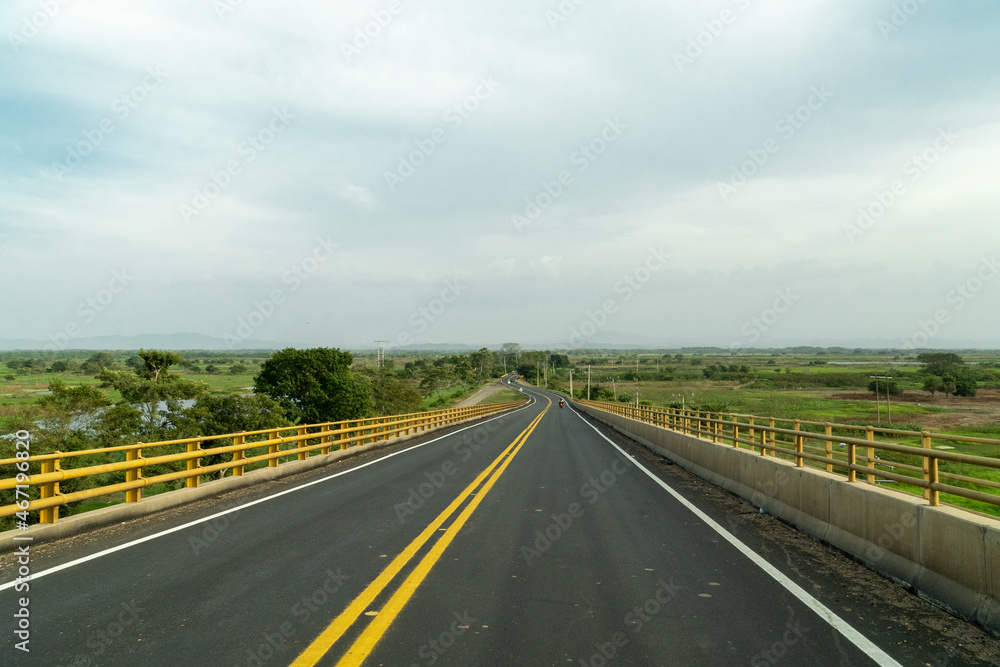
(534,538)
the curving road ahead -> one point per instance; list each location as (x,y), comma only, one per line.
(535,538)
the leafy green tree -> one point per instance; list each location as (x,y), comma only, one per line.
(59,367)
(156,362)
(433,377)
(941,363)
(314,385)
(232,413)
(965,386)
(483,363)
(237,369)
(97,362)
(59,421)
(150,385)
(391,395)
(559,360)
(932,384)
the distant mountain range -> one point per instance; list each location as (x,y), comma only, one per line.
(178,341)
(604,340)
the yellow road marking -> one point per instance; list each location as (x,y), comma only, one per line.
(333,632)
(364,645)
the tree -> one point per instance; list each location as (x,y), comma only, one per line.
(965,386)
(233,413)
(390,395)
(941,363)
(314,385)
(59,367)
(511,353)
(65,414)
(932,384)
(150,385)
(482,361)
(97,362)
(237,369)
(155,362)
(61,420)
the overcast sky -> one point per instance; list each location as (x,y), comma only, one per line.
(540,172)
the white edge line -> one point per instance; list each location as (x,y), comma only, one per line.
(843,627)
(148,538)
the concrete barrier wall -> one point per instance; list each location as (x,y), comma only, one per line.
(946,555)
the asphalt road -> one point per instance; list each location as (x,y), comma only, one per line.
(530,539)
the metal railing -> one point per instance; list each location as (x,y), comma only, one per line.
(919,466)
(251,449)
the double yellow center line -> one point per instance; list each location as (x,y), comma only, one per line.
(364,645)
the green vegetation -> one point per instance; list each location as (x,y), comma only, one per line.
(76,400)
(99,400)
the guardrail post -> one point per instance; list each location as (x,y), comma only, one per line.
(828,429)
(239,455)
(870,436)
(325,440)
(799,445)
(763,443)
(736,432)
(852,460)
(273,448)
(50,490)
(774,452)
(925,442)
(935,499)
(750,424)
(133,474)
(193,464)
(302,442)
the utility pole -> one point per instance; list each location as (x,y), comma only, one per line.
(588,382)
(878,411)
(571,383)
(380,354)
(614,389)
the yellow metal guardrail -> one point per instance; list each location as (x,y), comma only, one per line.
(835,453)
(272,446)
